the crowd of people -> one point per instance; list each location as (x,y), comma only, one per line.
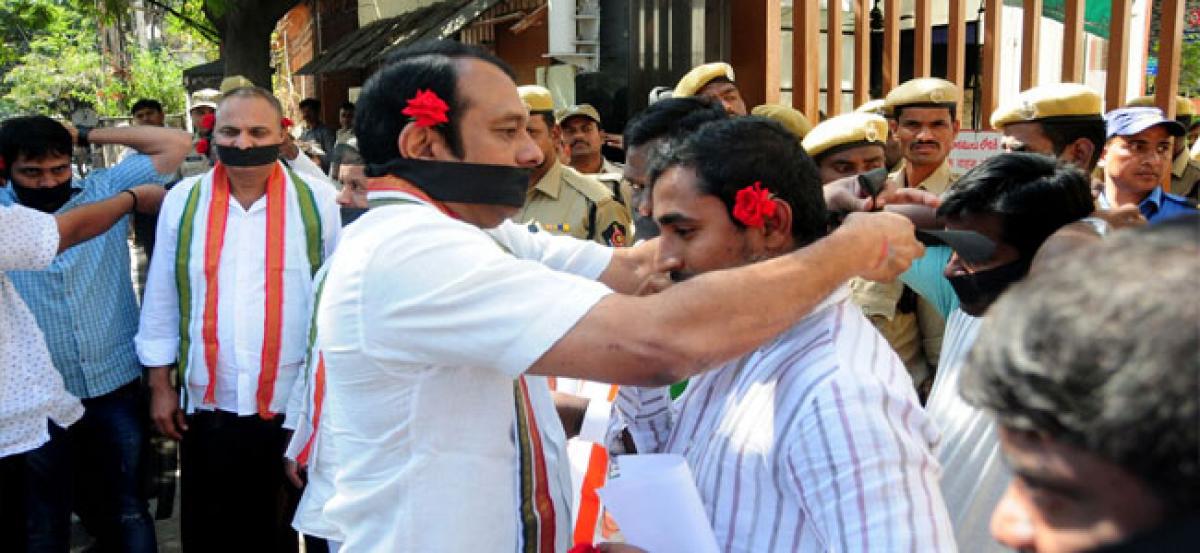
(443,325)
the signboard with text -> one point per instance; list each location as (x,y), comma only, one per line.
(972,147)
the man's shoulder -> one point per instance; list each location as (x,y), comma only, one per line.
(587,185)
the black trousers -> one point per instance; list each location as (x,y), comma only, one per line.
(234,495)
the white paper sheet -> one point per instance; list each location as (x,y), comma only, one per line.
(655,503)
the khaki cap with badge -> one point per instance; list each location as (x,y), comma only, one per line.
(792,119)
(846,130)
(537,98)
(1062,101)
(1183,106)
(585,110)
(701,75)
(923,92)
(872,106)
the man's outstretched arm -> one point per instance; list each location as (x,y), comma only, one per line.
(90,220)
(717,316)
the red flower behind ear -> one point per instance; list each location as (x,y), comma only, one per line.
(426,109)
(208,121)
(752,205)
(287,123)
(202,146)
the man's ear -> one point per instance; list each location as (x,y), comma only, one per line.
(777,229)
(556,133)
(1080,152)
(957,126)
(419,142)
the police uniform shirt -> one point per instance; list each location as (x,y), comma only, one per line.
(1185,174)
(936,183)
(568,203)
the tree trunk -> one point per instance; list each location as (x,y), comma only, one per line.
(246,27)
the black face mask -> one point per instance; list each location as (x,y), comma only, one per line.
(247,157)
(977,291)
(468,183)
(46,200)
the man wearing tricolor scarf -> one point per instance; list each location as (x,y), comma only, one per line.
(227,302)
(436,305)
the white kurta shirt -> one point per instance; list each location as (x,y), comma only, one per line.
(814,442)
(31,390)
(424,322)
(974,475)
(241,284)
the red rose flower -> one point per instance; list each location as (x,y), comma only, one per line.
(584,548)
(752,205)
(202,146)
(208,121)
(426,109)
(287,123)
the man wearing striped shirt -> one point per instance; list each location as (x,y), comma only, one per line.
(815,441)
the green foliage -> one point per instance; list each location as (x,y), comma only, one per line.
(1189,69)
(51,63)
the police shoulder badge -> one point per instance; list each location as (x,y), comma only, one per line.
(615,235)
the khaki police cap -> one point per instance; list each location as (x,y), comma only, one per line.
(701,75)
(923,91)
(537,98)
(872,106)
(1183,106)
(585,110)
(791,119)
(845,129)
(205,97)
(235,81)
(1047,102)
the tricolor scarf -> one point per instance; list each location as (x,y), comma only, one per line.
(536,509)
(207,208)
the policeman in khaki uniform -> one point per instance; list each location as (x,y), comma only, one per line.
(712,80)
(594,163)
(847,145)
(1185,172)
(560,200)
(792,119)
(1068,113)
(924,119)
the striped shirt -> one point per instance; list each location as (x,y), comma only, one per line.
(84,301)
(974,475)
(813,442)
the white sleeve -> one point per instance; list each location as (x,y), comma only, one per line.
(29,240)
(303,165)
(157,339)
(561,253)
(444,293)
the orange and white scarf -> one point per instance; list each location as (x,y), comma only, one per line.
(202,237)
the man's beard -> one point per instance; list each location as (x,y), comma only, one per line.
(46,200)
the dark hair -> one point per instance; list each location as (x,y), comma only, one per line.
(731,154)
(253,92)
(425,66)
(1100,353)
(1062,133)
(896,111)
(819,158)
(671,117)
(310,103)
(348,106)
(1033,194)
(35,137)
(547,116)
(145,103)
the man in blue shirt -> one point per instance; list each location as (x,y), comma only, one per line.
(1137,154)
(84,304)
